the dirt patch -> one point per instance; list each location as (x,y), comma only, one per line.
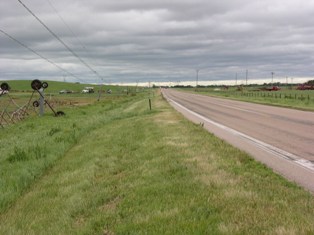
(166,117)
(111,205)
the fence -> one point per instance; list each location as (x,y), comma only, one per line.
(277,96)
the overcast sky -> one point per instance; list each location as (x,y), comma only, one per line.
(157,40)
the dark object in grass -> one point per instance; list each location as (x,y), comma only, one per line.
(59,113)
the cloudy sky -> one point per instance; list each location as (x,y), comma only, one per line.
(156,40)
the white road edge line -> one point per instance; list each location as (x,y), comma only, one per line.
(260,144)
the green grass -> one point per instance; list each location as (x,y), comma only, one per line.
(287,97)
(115,167)
(25,85)
(21,95)
(54,87)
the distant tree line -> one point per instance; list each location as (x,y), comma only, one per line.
(310,82)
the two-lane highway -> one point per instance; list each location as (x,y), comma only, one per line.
(279,137)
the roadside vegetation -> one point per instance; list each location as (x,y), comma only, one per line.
(116,167)
(287,96)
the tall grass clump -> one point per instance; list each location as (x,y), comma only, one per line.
(17,155)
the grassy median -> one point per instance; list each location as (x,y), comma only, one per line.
(116,167)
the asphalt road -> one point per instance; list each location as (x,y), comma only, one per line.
(281,138)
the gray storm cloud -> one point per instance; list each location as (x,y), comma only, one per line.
(130,41)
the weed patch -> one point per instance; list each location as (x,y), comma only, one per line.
(53,131)
(18,155)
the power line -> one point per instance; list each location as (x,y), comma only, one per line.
(41,56)
(60,40)
(64,22)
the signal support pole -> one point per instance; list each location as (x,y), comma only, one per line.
(41,102)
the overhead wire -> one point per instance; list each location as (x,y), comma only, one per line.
(65,23)
(61,41)
(41,56)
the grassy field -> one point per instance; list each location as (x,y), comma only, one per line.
(286,97)
(22,96)
(55,87)
(116,167)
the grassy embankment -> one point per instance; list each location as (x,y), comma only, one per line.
(286,97)
(115,167)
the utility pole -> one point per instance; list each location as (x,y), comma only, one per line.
(272,77)
(246,76)
(197,70)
